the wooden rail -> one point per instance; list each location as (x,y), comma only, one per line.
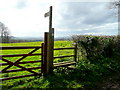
(19,47)
(64,64)
(63,56)
(16,55)
(22,62)
(16,70)
(64,48)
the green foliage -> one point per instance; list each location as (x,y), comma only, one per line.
(97,46)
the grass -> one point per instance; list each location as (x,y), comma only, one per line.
(86,75)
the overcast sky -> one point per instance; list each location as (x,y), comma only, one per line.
(25,18)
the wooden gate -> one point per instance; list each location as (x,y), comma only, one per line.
(46,61)
(17,62)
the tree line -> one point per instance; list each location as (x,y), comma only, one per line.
(4,33)
(6,37)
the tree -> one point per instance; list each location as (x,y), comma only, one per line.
(115,4)
(4,33)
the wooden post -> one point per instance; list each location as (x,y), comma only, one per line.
(50,19)
(50,42)
(75,53)
(45,53)
(42,58)
(119,20)
(50,51)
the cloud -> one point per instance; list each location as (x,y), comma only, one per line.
(4,4)
(82,18)
(21,21)
(86,13)
(106,29)
(21,4)
(26,17)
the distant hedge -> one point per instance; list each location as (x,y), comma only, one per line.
(94,47)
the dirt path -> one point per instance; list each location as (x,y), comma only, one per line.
(111,83)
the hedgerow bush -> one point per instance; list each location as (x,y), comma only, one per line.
(94,47)
(98,57)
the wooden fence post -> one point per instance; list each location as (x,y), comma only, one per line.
(42,58)
(75,53)
(50,50)
(45,53)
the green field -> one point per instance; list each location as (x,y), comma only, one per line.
(57,44)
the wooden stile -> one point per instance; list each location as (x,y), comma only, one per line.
(64,64)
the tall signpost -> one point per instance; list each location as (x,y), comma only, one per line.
(118,18)
(119,25)
(50,43)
